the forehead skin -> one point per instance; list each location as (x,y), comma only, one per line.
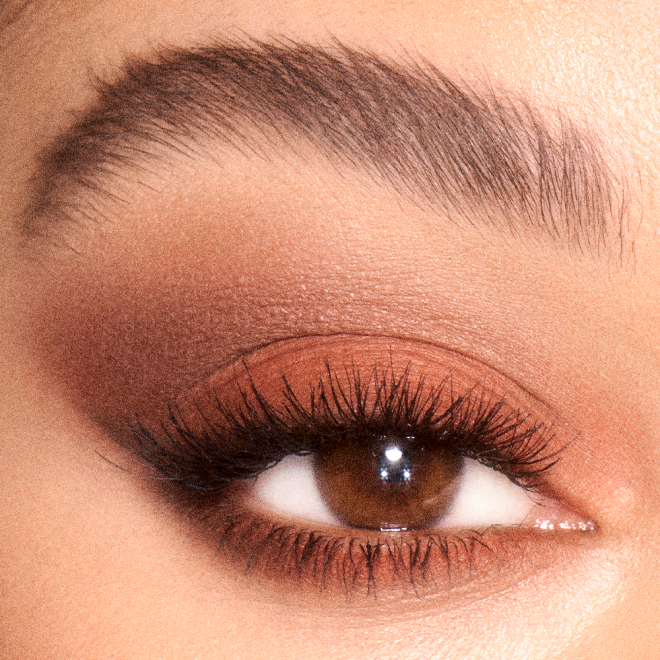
(598,60)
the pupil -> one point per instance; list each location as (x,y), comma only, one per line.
(387,482)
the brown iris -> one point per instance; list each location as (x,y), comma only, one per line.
(387,481)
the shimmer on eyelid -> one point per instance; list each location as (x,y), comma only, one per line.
(474,155)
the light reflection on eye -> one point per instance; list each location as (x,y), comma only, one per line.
(393,454)
(484,497)
(393,467)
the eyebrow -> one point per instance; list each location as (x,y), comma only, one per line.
(476,154)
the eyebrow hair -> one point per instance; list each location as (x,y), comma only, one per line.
(11,11)
(476,155)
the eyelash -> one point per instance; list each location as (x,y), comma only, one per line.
(201,461)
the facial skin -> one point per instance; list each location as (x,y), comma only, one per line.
(205,259)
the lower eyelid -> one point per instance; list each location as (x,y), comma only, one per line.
(356,565)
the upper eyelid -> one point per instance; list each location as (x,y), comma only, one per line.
(214,420)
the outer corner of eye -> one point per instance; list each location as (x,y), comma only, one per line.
(486,498)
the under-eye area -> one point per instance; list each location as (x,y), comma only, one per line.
(363,466)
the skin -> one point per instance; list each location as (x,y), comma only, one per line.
(93,565)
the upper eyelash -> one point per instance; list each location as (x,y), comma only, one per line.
(246,439)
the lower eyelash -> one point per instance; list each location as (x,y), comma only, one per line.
(360,566)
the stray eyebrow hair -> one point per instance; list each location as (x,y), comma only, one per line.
(11,11)
(474,155)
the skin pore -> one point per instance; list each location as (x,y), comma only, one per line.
(208,255)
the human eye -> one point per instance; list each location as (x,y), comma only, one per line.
(363,465)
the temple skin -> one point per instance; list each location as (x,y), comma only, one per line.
(195,258)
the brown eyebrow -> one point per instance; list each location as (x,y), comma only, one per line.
(475,155)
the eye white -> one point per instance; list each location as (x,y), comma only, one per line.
(486,497)
(290,489)
(483,498)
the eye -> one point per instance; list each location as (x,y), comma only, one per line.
(337,461)
(385,494)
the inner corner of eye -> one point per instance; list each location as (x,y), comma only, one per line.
(481,497)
